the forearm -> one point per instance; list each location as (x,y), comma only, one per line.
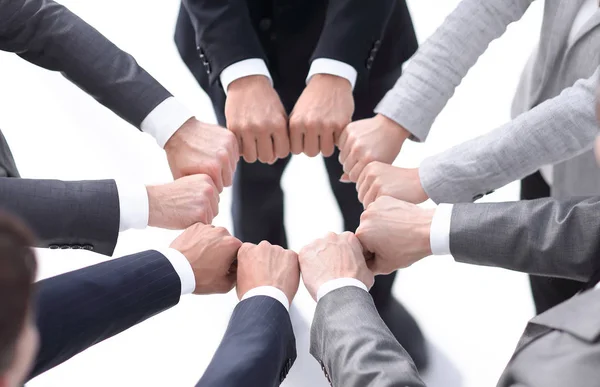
(554,131)
(544,237)
(49,35)
(441,63)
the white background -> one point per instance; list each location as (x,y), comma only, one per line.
(471,316)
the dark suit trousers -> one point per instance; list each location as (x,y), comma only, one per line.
(547,292)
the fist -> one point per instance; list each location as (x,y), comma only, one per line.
(396,232)
(333,257)
(267,265)
(380,179)
(182,203)
(257,118)
(373,139)
(321,113)
(198,148)
(211,251)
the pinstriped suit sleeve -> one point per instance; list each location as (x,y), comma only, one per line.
(79,309)
(258,348)
(354,346)
(49,35)
(80,214)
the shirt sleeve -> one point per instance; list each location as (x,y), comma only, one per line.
(269,291)
(333,67)
(440,230)
(133,205)
(244,68)
(182,268)
(165,120)
(338,283)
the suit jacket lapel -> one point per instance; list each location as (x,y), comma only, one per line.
(589,26)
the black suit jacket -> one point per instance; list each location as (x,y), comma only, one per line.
(82,308)
(66,214)
(375,37)
(258,348)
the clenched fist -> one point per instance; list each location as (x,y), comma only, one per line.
(321,113)
(380,179)
(256,116)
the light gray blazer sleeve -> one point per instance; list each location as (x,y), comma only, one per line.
(49,35)
(556,238)
(444,59)
(354,346)
(556,130)
(66,215)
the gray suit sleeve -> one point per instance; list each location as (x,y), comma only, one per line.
(354,346)
(68,215)
(49,35)
(544,237)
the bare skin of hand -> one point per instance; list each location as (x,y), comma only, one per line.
(182,203)
(396,232)
(379,179)
(267,265)
(258,119)
(373,139)
(333,257)
(211,251)
(323,110)
(199,148)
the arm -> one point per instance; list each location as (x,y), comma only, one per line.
(444,59)
(544,237)
(82,214)
(82,308)
(554,131)
(7,162)
(258,349)
(364,353)
(49,35)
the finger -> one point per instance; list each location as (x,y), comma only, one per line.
(326,143)
(249,148)
(356,170)
(357,247)
(345,178)
(370,196)
(311,142)
(363,187)
(350,162)
(214,205)
(266,152)
(341,142)
(236,148)
(226,168)
(296,138)
(374,266)
(281,142)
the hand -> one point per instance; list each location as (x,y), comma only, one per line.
(321,113)
(256,116)
(373,139)
(379,179)
(396,232)
(267,265)
(199,148)
(182,203)
(333,257)
(211,252)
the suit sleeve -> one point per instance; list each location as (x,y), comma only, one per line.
(548,237)
(49,35)
(82,308)
(258,348)
(364,353)
(66,214)
(224,34)
(353,32)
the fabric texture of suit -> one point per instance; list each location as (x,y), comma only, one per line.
(8,168)
(66,214)
(77,310)
(47,34)
(258,348)
(375,39)
(354,346)
(554,116)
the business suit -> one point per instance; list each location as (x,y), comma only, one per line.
(258,348)
(374,38)
(77,310)
(66,214)
(8,167)
(558,348)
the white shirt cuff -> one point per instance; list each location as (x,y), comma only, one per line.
(165,119)
(333,67)
(134,206)
(269,291)
(182,268)
(243,69)
(338,283)
(440,230)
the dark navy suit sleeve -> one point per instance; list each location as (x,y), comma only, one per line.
(79,309)
(258,348)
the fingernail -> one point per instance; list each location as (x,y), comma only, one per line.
(345,180)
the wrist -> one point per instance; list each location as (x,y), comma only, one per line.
(175,139)
(248,82)
(418,187)
(393,126)
(154,205)
(423,232)
(331,82)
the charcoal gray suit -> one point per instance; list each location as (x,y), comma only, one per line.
(559,347)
